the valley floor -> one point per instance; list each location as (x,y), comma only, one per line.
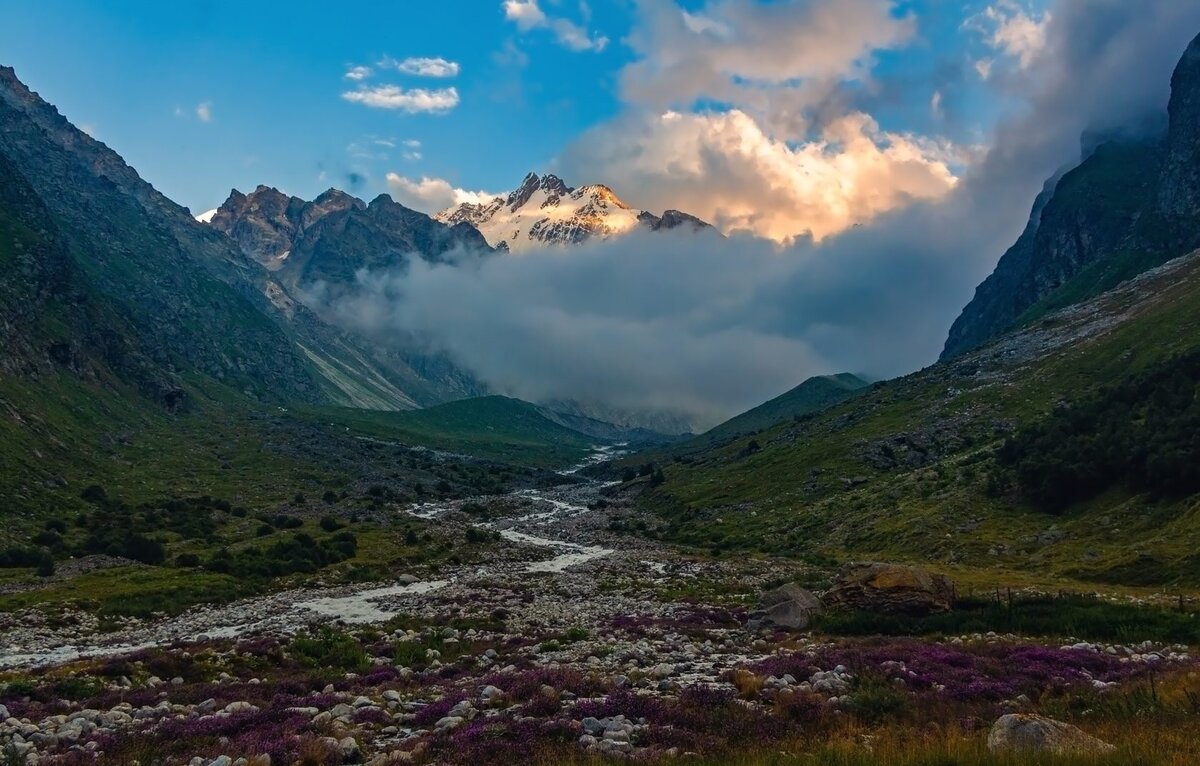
(571,644)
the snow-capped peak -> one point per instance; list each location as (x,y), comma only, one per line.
(206,216)
(544,210)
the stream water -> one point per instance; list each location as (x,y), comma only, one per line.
(288,611)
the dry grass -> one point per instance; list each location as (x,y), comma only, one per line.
(749,685)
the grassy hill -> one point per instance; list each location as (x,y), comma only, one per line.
(811,396)
(909,470)
(494,427)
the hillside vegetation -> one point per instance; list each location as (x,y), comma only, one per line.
(917,468)
(811,396)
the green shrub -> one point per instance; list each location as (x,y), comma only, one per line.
(328,648)
(874,699)
(17,557)
(408,653)
(1083,617)
(94,494)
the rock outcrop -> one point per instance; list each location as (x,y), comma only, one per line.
(1179,193)
(891,588)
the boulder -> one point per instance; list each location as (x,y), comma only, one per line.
(1026,732)
(890,588)
(788,606)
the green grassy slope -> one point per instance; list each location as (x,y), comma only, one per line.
(900,472)
(812,395)
(60,435)
(495,427)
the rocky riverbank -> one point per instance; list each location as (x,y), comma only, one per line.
(572,641)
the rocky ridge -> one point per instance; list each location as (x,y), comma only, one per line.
(543,210)
(333,237)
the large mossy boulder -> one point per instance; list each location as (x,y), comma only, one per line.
(890,588)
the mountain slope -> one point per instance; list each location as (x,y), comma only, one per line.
(180,288)
(910,470)
(545,211)
(496,427)
(1129,206)
(813,395)
(188,296)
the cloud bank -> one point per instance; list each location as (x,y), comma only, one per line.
(710,326)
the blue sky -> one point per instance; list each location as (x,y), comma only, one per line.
(272,75)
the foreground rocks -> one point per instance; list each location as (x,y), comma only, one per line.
(1029,733)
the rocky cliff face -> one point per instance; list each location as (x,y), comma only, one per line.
(334,236)
(1180,186)
(543,210)
(1130,205)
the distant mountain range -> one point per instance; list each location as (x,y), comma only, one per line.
(545,211)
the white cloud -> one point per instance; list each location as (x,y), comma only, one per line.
(725,169)
(358,73)
(774,60)
(424,67)
(204,111)
(412,100)
(1013,30)
(431,195)
(788,155)
(528,15)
